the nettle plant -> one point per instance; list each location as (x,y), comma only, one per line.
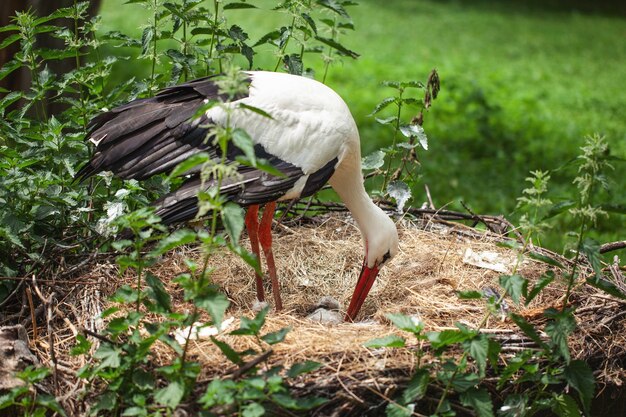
(532,381)
(45,213)
(399,163)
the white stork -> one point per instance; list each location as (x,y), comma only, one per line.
(311,138)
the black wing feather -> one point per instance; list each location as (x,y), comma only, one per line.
(151,136)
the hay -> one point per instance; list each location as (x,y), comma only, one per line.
(322,257)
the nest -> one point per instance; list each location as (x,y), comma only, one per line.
(319,258)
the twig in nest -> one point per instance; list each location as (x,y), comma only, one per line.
(47,302)
(251,364)
(98,336)
(33,319)
(608,247)
(352,394)
(620,281)
(430,199)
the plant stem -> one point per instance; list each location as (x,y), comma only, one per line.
(395,138)
(284,47)
(155,6)
(216,6)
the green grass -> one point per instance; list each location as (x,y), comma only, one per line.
(520,87)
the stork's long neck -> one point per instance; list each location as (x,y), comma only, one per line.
(371,219)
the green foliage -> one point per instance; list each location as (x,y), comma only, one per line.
(408,135)
(22,399)
(533,378)
(44,213)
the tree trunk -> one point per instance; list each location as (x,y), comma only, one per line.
(20,79)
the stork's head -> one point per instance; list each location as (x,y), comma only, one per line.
(381,244)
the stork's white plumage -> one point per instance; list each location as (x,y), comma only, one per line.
(311,138)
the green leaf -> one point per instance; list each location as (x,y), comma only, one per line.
(579,375)
(277,336)
(228,351)
(416,388)
(8,68)
(614,208)
(305,367)
(470,295)
(48,402)
(479,400)
(243,141)
(478,348)
(7,28)
(514,285)
(392,84)
(606,286)
(545,259)
(253,326)
(382,105)
(309,20)
(561,325)
(234,6)
(528,329)
(219,392)
(256,110)
(335,6)
(146,39)
(463,382)
(591,249)
(294,64)
(559,208)
(233,219)
(159,293)
(253,410)
(268,37)
(564,406)
(388,341)
(106,401)
(190,163)
(285,400)
(247,256)
(406,323)
(337,46)
(544,280)
(109,355)
(142,379)
(397,410)
(386,120)
(215,303)
(515,405)
(82,346)
(9,40)
(399,191)
(445,338)
(374,160)
(171,395)
(415,131)
(175,239)
(509,244)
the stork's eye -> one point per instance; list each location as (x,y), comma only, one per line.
(386,257)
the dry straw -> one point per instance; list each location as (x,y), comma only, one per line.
(322,258)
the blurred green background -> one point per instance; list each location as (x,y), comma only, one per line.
(521,85)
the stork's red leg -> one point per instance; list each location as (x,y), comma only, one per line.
(265,237)
(252,224)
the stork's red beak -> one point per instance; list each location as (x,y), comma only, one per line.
(363,286)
